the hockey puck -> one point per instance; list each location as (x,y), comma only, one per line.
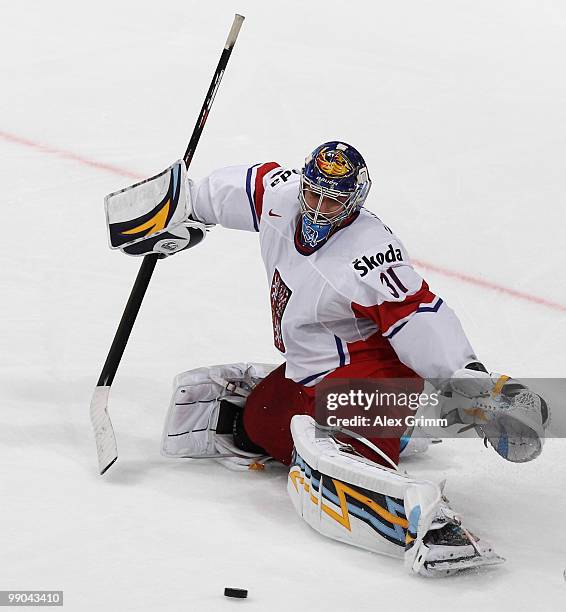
(238,593)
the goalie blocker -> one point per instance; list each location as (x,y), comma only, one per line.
(154,216)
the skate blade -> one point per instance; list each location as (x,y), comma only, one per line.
(453,566)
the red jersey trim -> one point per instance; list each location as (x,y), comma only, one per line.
(388,314)
(259,189)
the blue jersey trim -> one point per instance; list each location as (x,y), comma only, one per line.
(420,309)
(308,379)
(431,308)
(250,198)
(398,329)
(340,349)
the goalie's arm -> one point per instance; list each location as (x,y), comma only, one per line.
(423,330)
(232,196)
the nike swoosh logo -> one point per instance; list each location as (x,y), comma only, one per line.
(272,214)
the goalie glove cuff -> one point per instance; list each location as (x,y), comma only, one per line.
(472,382)
(174,240)
(154,216)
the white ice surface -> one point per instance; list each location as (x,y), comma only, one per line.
(460,109)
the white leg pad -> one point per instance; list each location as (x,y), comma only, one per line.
(190,425)
(348,498)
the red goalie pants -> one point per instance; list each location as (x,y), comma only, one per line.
(276,400)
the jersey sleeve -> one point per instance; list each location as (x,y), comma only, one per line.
(424,332)
(233,196)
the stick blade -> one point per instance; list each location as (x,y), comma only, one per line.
(106,446)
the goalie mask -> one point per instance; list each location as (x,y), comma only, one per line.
(334,185)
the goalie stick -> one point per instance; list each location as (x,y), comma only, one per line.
(106,446)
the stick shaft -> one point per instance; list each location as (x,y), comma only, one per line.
(148,265)
(127,321)
(211,93)
(102,426)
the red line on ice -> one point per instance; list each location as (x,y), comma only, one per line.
(480,282)
(461,276)
(68,155)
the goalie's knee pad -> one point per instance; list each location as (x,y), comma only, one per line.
(205,410)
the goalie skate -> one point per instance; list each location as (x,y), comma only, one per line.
(236,459)
(448,549)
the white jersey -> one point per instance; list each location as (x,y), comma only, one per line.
(355,299)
